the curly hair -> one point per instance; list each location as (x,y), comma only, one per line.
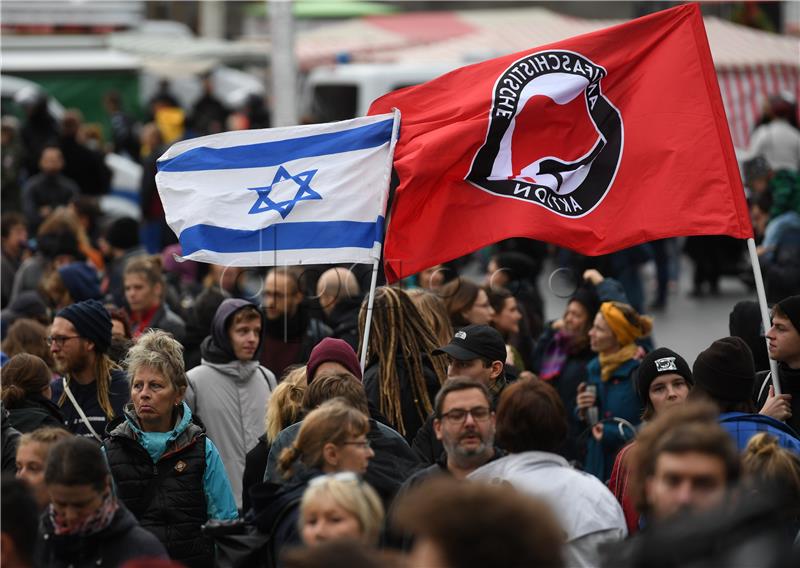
(160,351)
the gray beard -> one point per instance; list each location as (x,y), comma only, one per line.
(469,457)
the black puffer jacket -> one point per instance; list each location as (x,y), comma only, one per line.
(34,412)
(111,547)
(167,497)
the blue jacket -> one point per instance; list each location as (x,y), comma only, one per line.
(616,398)
(743,426)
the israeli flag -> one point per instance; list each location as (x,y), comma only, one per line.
(311,194)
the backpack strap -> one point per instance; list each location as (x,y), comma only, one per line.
(270,382)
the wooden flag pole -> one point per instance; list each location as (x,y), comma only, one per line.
(762,302)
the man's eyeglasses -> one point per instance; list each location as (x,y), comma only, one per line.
(365,445)
(59,339)
(459,415)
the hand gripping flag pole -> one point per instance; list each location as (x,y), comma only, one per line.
(375,263)
(762,303)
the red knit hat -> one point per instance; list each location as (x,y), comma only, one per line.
(336,351)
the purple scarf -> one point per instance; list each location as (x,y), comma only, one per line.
(555,355)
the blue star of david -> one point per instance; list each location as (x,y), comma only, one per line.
(304,193)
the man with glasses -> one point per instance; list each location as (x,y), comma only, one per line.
(464,423)
(290,331)
(92,389)
(477,352)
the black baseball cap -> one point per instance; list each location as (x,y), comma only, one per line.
(475,341)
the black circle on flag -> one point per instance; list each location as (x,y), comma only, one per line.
(554,139)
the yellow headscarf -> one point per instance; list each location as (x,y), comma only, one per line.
(625,332)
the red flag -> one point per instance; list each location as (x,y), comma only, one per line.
(595,143)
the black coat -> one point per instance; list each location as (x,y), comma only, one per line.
(566,383)
(413,417)
(343,319)
(119,542)
(34,412)
(255,464)
(10,441)
(276,511)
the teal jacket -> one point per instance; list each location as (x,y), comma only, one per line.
(616,398)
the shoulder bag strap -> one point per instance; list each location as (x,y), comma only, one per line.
(272,386)
(79,409)
(764,387)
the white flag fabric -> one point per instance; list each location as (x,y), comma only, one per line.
(313,194)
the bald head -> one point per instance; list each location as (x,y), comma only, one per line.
(335,284)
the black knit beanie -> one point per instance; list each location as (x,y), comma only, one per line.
(661,361)
(91,320)
(726,370)
(791,307)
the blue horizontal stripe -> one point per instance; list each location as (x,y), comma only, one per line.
(282,236)
(266,154)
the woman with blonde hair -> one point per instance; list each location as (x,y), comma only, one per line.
(284,408)
(166,471)
(766,466)
(32,452)
(332,439)
(340,506)
(145,291)
(610,388)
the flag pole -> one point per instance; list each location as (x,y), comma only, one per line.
(370,303)
(762,303)
(376,261)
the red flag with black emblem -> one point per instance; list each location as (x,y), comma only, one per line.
(595,143)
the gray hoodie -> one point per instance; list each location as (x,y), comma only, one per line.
(230,396)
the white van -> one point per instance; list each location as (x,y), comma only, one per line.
(344,91)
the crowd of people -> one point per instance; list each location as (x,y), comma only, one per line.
(158,413)
(123,450)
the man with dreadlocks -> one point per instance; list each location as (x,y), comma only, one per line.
(93,389)
(402,375)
